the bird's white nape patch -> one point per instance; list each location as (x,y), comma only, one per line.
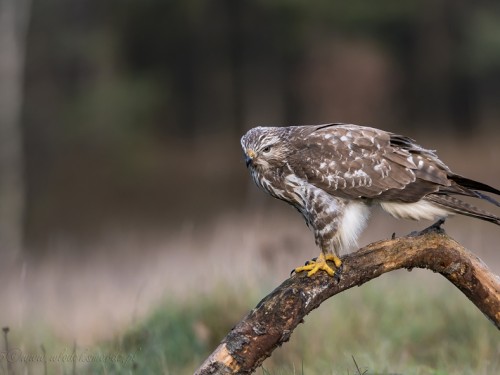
(353,222)
(415,211)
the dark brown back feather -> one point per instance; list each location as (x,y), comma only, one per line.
(471,184)
(389,163)
(355,162)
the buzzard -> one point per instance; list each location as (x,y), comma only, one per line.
(334,173)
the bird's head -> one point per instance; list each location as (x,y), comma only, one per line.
(265,148)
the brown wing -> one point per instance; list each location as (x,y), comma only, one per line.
(360,162)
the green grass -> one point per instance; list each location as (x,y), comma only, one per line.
(411,323)
(401,323)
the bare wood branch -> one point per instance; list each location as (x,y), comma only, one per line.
(273,320)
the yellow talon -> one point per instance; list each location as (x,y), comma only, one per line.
(321,264)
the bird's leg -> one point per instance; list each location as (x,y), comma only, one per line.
(321,264)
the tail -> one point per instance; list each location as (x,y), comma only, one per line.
(472,186)
(466,187)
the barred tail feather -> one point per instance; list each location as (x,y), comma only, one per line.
(455,205)
(487,198)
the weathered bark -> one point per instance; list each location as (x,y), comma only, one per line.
(273,320)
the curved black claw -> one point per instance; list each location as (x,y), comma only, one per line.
(310,261)
(307,262)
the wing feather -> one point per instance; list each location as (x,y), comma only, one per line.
(360,162)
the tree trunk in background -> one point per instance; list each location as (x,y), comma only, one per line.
(14,16)
(236,57)
(444,93)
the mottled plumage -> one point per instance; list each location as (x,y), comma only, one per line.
(334,173)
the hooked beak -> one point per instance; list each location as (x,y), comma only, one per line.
(249,155)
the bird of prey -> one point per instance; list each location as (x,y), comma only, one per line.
(334,173)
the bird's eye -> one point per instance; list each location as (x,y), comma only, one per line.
(266,149)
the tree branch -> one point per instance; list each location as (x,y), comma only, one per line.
(273,320)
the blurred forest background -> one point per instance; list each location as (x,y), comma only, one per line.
(132,110)
(120,124)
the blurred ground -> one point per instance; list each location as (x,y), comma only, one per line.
(91,290)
